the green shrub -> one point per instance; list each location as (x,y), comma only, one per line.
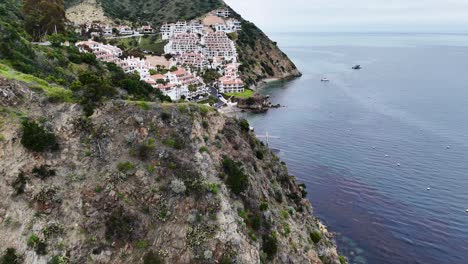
(43,172)
(244,125)
(165,116)
(59,260)
(125,166)
(120,226)
(52,230)
(259,154)
(303,189)
(37,244)
(205,124)
(270,245)
(10,257)
(20,183)
(144,151)
(143,105)
(342,259)
(152,258)
(284,214)
(142,244)
(36,138)
(175,142)
(255,221)
(252,235)
(237,180)
(263,206)
(316,236)
(203,149)
(225,259)
(212,187)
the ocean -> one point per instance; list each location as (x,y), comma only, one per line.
(383,150)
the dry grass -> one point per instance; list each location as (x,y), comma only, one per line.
(210,20)
(157,60)
(86,12)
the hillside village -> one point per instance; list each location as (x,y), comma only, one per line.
(194,48)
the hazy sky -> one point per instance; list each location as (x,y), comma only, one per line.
(355,15)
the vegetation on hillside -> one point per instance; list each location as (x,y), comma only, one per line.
(139,45)
(44,17)
(158,11)
(61,72)
(36,137)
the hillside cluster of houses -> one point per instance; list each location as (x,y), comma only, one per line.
(195,47)
(177,84)
(200,46)
(105,30)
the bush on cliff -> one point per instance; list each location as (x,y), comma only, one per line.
(270,246)
(37,138)
(237,180)
(10,257)
(316,236)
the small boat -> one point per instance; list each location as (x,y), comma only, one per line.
(357,67)
(466,210)
(325,79)
(428,188)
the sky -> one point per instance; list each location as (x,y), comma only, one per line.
(355,15)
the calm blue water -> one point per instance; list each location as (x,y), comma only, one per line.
(344,139)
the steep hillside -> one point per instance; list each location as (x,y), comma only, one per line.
(156,12)
(260,56)
(83,11)
(145,183)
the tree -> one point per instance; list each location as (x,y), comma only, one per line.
(210,76)
(192,88)
(57,39)
(44,17)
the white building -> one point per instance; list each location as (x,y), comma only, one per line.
(125,30)
(179,83)
(230,26)
(222,13)
(146,30)
(107,31)
(192,59)
(181,27)
(132,64)
(107,53)
(227,85)
(183,43)
(234,24)
(218,44)
(230,82)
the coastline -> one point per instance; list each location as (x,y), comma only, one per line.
(266,81)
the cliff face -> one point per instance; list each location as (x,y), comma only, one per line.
(147,183)
(260,57)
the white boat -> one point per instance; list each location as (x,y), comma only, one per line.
(325,79)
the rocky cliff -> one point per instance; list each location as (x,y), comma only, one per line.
(145,183)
